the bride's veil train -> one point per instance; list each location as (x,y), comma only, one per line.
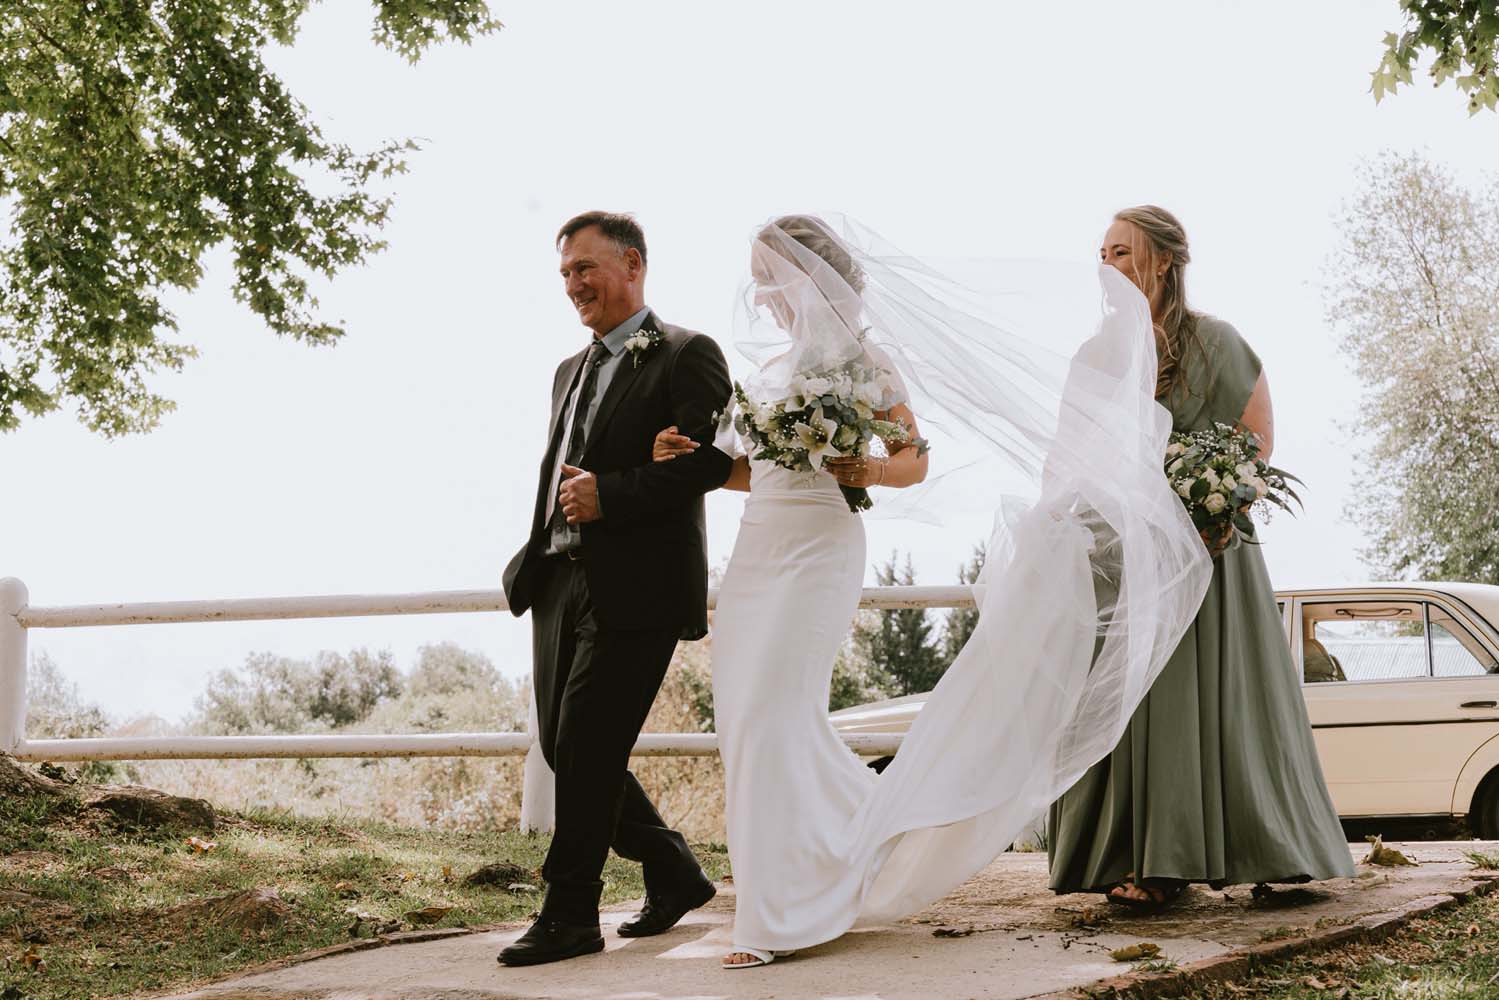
(1094,571)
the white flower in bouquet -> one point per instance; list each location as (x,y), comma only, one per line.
(826,413)
(1221,480)
(815,437)
(816,385)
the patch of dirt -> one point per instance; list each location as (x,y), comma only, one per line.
(19,780)
(502,874)
(252,910)
(150,809)
(35,907)
(28,861)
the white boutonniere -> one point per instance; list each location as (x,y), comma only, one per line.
(642,341)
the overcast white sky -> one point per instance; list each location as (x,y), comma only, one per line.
(404,459)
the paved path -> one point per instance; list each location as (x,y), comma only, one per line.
(1013,939)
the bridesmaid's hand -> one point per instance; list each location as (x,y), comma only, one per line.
(669,445)
(1218,543)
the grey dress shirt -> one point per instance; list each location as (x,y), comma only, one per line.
(570,536)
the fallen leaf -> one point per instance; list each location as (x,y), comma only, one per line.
(521,887)
(201,846)
(447,873)
(1136,952)
(1473,930)
(428,914)
(33,962)
(1385,856)
(952,932)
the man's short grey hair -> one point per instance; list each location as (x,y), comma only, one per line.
(619,227)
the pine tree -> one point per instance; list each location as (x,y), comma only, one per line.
(962,621)
(899,646)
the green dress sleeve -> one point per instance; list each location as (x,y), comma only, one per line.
(1235,370)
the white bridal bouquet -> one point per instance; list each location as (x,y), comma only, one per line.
(1219,476)
(827,413)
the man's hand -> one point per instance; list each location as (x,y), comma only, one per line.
(579,495)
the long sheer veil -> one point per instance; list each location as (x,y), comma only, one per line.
(1094,571)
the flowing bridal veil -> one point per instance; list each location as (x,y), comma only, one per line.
(1040,401)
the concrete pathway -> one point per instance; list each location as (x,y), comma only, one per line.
(1001,936)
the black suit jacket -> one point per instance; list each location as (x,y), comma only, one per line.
(646,559)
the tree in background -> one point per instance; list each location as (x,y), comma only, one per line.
(56,710)
(135,137)
(899,647)
(1463,38)
(277,694)
(1414,289)
(962,621)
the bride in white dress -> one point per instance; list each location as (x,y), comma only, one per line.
(1094,573)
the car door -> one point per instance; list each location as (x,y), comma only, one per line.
(1400,694)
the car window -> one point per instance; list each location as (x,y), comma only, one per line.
(1454,650)
(1363,641)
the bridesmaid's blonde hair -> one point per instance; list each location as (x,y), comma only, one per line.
(1176,332)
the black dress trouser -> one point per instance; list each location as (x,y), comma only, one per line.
(594,688)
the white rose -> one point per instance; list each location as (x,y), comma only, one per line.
(816,385)
(1185,490)
(1260,486)
(1214,503)
(1228,482)
(1174,467)
(1246,472)
(1175,448)
(1212,478)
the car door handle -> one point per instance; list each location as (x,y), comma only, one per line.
(1480,704)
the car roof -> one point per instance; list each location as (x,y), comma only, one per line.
(1481,597)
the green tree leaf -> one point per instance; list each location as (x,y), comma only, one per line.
(136,135)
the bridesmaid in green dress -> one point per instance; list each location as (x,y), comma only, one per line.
(1216,779)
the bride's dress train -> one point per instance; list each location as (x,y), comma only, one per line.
(1091,580)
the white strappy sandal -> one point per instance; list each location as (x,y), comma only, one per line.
(761,957)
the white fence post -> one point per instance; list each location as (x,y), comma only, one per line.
(538,797)
(13,598)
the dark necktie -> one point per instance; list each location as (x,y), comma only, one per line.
(560,530)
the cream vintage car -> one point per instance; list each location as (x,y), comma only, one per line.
(1402,688)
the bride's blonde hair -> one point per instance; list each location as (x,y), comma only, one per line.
(814,234)
(1176,331)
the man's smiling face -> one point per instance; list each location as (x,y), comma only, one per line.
(603,281)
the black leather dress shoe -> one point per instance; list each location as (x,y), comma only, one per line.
(661,912)
(553,941)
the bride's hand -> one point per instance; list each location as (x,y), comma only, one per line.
(669,445)
(857,472)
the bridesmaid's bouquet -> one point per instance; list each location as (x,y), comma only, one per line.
(1221,479)
(827,413)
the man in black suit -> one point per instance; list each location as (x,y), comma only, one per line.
(614,572)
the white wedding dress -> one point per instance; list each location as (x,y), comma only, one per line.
(1093,574)
(792,786)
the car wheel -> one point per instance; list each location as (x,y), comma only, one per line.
(1484,820)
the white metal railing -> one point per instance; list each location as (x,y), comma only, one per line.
(17,617)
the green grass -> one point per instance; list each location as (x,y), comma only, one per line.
(115,940)
(1482,861)
(1450,956)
